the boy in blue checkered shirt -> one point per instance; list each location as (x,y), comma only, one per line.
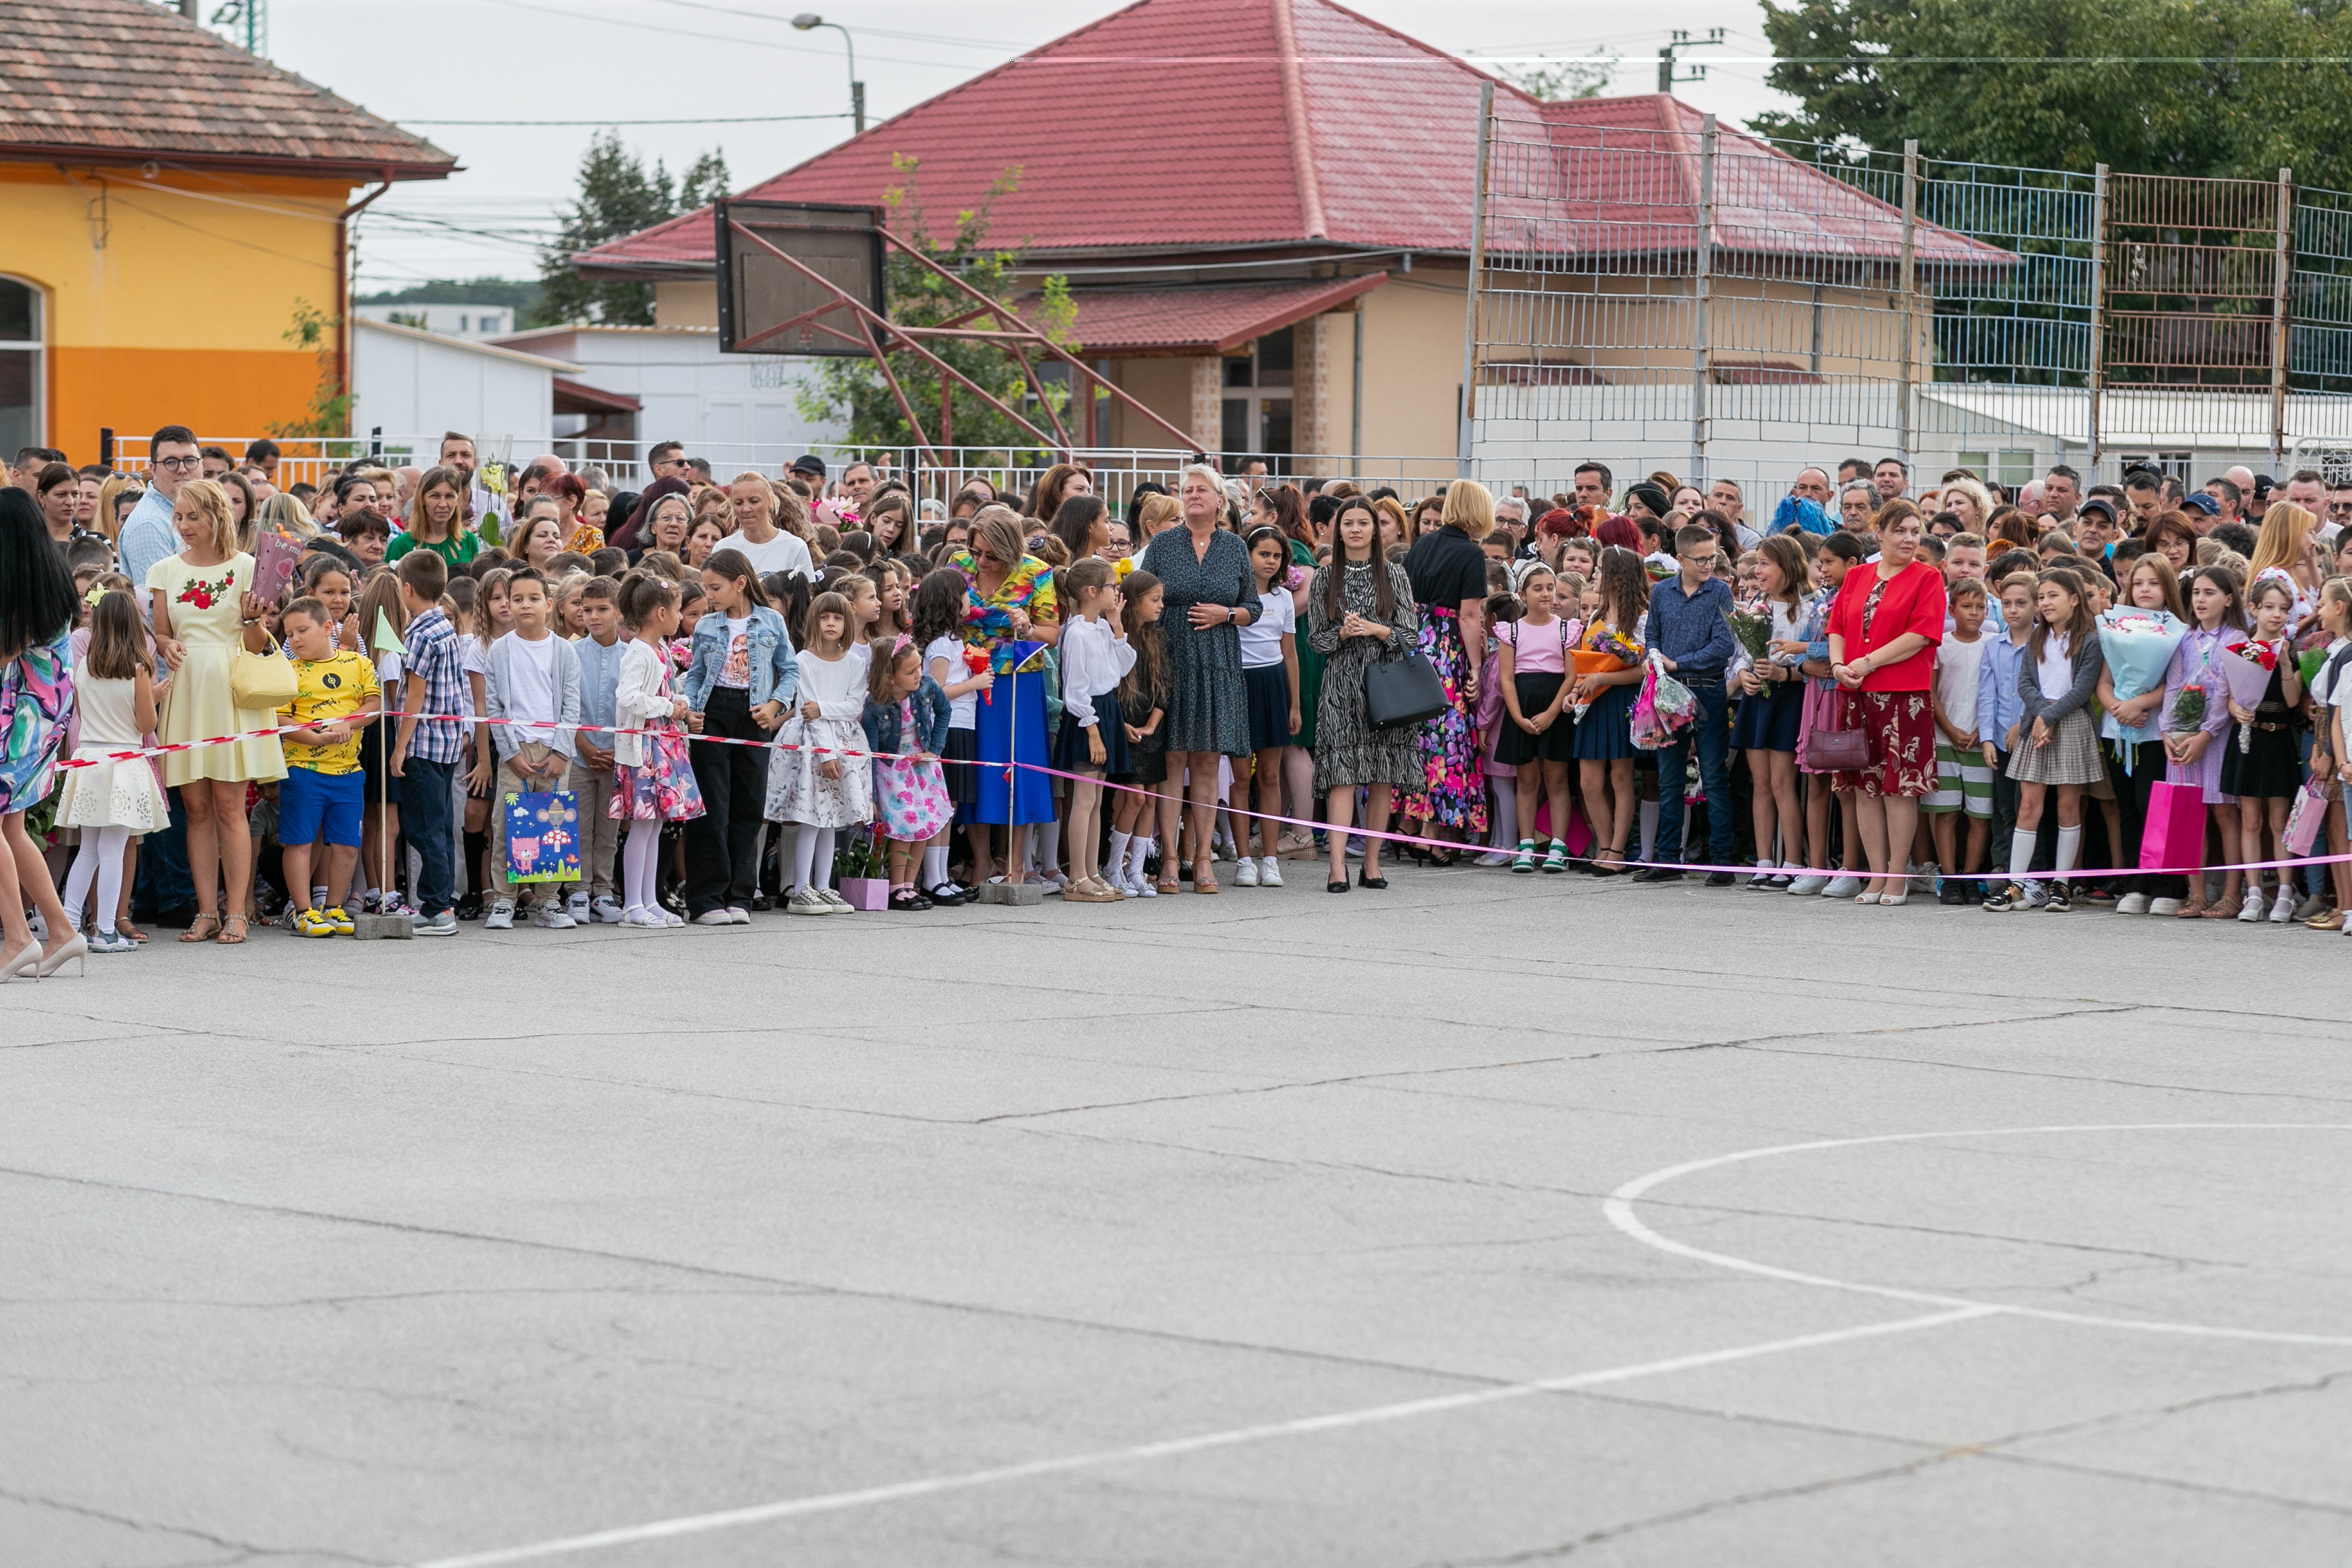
(428,752)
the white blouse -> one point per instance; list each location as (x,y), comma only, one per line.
(1095,659)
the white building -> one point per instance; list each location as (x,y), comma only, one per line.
(479,321)
(409,383)
(738,411)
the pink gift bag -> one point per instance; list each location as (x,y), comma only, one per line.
(2310,813)
(2174,839)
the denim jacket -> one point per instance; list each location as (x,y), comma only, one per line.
(931,711)
(775,667)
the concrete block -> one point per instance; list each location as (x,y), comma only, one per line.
(1023,894)
(383,928)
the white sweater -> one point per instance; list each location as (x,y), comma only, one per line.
(641,695)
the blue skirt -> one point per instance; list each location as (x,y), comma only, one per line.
(1267,686)
(1606,731)
(1769,720)
(1028,796)
(1070,753)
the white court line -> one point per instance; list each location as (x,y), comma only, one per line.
(899,1492)
(1619,1208)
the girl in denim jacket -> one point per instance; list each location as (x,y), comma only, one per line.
(743,679)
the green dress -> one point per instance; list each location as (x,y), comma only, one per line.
(1310,663)
(458,552)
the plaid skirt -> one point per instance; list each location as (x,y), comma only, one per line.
(2072,757)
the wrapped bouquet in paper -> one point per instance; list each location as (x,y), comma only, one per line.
(542,837)
(1663,707)
(2139,646)
(1616,651)
(2248,668)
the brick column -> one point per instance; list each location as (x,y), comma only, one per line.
(1207,424)
(1311,390)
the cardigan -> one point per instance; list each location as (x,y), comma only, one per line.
(1913,602)
(509,738)
(2088,662)
(641,697)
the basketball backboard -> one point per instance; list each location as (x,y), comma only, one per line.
(759,292)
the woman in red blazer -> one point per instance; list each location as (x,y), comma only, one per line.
(1883,630)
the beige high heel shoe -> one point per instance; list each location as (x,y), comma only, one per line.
(76,952)
(26,961)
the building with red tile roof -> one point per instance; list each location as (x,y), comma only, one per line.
(1202,167)
(168,204)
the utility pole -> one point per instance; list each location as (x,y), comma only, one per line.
(1671,56)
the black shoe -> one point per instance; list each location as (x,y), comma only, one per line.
(469,908)
(907,900)
(1378,884)
(179,917)
(1338,887)
(1955,893)
(1721,879)
(948,895)
(760,900)
(1658,874)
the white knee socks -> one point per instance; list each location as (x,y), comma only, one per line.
(935,867)
(1115,865)
(2021,853)
(2070,845)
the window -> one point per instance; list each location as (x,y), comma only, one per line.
(2012,467)
(1257,405)
(20,365)
(2171,465)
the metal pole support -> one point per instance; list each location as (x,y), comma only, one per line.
(2099,358)
(1470,320)
(1702,297)
(1908,282)
(2283,277)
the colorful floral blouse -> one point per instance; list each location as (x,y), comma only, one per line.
(1028,588)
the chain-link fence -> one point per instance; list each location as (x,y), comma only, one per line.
(1688,296)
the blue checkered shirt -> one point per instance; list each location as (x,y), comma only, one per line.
(431,652)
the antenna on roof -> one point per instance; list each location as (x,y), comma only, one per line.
(1671,56)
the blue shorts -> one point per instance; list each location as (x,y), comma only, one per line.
(314,806)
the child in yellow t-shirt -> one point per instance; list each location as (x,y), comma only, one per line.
(335,693)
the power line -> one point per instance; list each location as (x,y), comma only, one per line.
(700,120)
(572,15)
(874,32)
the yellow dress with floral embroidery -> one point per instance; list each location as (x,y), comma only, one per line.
(202,601)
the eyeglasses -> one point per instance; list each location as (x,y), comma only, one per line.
(177,465)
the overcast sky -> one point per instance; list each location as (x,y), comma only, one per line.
(429,61)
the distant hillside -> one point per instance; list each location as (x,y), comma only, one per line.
(522,296)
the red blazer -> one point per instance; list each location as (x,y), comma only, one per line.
(1913,601)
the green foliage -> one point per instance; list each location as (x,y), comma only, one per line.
(853,390)
(329,411)
(617,195)
(2060,84)
(1560,78)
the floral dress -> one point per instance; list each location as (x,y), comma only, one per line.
(1009,730)
(1451,789)
(37,696)
(659,786)
(1208,702)
(202,604)
(910,797)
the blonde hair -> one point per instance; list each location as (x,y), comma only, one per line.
(1155,508)
(213,501)
(1215,482)
(996,534)
(2285,528)
(1392,508)
(114,486)
(1470,506)
(286,516)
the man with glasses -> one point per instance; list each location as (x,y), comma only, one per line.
(1688,625)
(1511,522)
(2339,508)
(673,475)
(147,537)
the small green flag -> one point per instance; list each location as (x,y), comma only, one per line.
(385,640)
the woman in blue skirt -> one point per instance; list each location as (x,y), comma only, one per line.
(1010,612)
(1609,666)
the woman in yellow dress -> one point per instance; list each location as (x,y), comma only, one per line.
(204,610)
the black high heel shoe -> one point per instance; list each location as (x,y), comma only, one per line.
(1365,879)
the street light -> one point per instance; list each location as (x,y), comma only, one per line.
(808,19)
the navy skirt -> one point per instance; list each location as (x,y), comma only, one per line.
(958,758)
(1070,755)
(1606,731)
(1268,687)
(1769,720)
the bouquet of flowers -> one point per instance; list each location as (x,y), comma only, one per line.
(975,659)
(1616,651)
(2188,711)
(2247,669)
(1752,631)
(1665,706)
(2139,646)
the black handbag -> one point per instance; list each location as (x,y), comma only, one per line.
(1403,691)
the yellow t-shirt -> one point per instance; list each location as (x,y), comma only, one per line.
(327,690)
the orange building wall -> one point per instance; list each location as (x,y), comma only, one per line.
(168,300)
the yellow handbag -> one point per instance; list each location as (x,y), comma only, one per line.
(262,681)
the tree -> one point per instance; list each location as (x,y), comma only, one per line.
(617,197)
(329,413)
(1560,78)
(2213,87)
(853,390)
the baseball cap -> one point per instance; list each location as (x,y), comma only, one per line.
(2101,505)
(2199,501)
(808,463)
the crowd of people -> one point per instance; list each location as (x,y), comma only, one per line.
(458,692)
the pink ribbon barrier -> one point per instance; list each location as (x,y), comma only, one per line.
(896,759)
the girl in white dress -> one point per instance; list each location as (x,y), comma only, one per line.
(827,784)
(114,692)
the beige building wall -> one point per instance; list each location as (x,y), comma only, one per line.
(692,302)
(1413,364)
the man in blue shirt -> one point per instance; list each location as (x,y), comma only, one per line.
(148,535)
(1687,627)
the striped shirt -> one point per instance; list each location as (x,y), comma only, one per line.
(431,652)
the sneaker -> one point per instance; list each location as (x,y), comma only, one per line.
(312,922)
(443,924)
(1525,860)
(549,916)
(1925,876)
(344,925)
(1245,873)
(394,904)
(1952,892)
(737,915)
(112,942)
(1761,882)
(1780,881)
(2164,906)
(1555,859)
(469,908)
(2036,895)
(804,902)
(501,916)
(833,902)
(369,903)
(2132,904)
(2061,897)
(718,918)
(2007,897)
(1270,872)
(1494,857)
(1843,888)
(1721,879)
(1809,887)
(2313,905)
(760,900)
(2283,908)
(1144,887)
(606,911)
(576,906)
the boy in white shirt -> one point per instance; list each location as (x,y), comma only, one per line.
(534,679)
